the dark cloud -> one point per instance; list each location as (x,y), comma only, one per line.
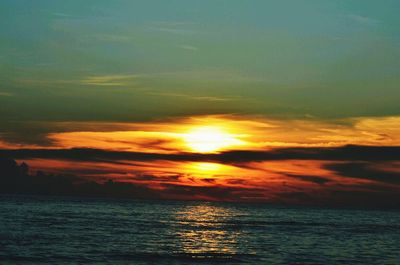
(155,178)
(346,153)
(236,181)
(352,161)
(364,170)
(220,193)
(15,178)
(365,198)
(313,179)
(209,180)
(15,133)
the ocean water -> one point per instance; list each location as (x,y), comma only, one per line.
(57,230)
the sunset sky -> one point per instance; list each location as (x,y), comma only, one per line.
(227,100)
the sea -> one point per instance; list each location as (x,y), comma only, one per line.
(66,230)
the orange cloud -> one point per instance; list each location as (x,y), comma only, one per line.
(228,157)
(222,133)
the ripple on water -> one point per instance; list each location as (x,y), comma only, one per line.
(65,230)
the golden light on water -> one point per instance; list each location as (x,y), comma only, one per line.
(202,235)
(210,139)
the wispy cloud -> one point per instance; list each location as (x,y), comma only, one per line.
(94,80)
(173,27)
(191,97)
(215,74)
(189,47)
(363,19)
(6,94)
(45,82)
(63,15)
(110,38)
(173,31)
(108,80)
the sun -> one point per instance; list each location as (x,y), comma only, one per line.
(210,139)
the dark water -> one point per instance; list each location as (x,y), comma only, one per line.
(45,230)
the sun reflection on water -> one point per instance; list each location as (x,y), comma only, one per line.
(204,231)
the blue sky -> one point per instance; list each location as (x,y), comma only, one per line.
(139,60)
(306,90)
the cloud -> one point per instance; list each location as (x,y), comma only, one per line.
(365,170)
(312,179)
(364,20)
(366,198)
(167,135)
(189,47)
(108,80)
(147,175)
(299,167)
(156,178)
(14,178)
(192,97)
(110,38)
(62,15)
(176,28)
(5,94)
(346,153)
(214,193)
(266,133)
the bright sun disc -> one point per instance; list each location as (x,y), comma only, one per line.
(208,139)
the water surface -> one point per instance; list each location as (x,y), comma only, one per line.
(57,230)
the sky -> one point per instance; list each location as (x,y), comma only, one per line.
(205,81)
